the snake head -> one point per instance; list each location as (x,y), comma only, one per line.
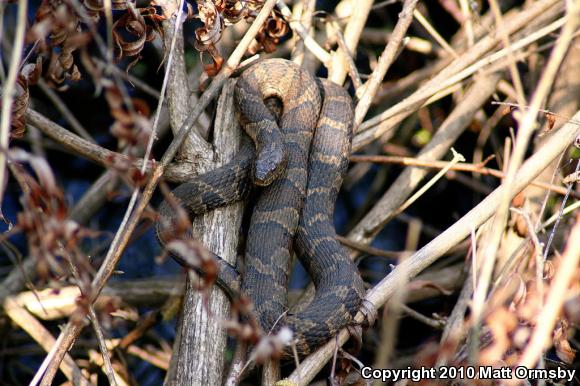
(270,164)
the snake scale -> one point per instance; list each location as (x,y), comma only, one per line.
(300,164)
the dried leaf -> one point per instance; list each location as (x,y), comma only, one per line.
(217,62)
(521,226)
(29,75)
(130,34)
(233,11)
(551,118)
(19,107)
(563,349)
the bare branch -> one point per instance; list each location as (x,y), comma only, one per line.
(8,90)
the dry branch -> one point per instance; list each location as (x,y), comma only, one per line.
(41,335)
(179,171)
(464,167)
(8,90)
(339,66)
(386,59)
(458,70)
(439,145)
(201,340)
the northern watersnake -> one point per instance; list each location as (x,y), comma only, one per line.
(301,164)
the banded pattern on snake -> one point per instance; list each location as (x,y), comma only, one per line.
(301,181)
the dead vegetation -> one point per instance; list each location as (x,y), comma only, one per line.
(465,151)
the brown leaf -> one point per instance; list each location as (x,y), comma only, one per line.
(233,11)
(549,270)
(213,25)
(563,349)
(521,226)
(32,71)
(119,5)
(551,118)
(19,106)
(130,34)
(217,62)
(94,7)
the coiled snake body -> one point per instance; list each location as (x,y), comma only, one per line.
(302,163)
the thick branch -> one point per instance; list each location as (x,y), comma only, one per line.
(198,353)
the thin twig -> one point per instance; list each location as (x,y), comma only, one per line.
(73,142)
(2,20)
(467,22)
(455,72)
(43,337)
(356,22)
(468,64)
(176,172)
(9,88)
(64,110)
(538,247)
(390,325)
(352,70)
(569,209)
(412,43)
(433,32)
(386,59)
(516,79)
(559,217)
(456,159)
(543,111)
(434,323)
(108,7)
(478,168)
(102,346)
(392,90)
(319,52)
(454,332)
(138,83)
(178,22)
(303,11)
(368,249)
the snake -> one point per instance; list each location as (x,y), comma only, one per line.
(297,163)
